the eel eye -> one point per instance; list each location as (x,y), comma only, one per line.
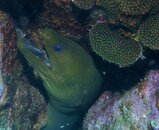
(57,48)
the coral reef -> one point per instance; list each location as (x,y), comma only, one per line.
(16,93)
(8,43)
(58,15)
(148,33)
(28,105)
(84,4)
(7,59)
(126,16)
(116,8)
(121,32)
(127,7)
(111,9)
(70,77)
(7,53)
(112,47)
(134,7)
(18,8)
(135,109)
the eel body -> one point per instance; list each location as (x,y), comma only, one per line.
(69,76)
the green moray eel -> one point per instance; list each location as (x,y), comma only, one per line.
(71,80)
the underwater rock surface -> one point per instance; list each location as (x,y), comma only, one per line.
(7,57)
(136,109)
(20,102)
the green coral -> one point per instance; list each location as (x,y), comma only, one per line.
(148,33)
(128,7)
(84,4)
(134,7)
(4,123)
(114,9)
(111,9)
(112,47)
(115,48)
(155,7)
(71,80)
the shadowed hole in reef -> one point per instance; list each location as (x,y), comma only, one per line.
(17,8)
(33,80)
(81,15)
(119,79)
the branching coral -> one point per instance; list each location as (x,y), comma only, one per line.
(135,109)
(112,47)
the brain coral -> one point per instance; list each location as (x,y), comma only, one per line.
(148,33)
(84,4)
(112,47)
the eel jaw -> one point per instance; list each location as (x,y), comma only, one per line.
(40,53)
